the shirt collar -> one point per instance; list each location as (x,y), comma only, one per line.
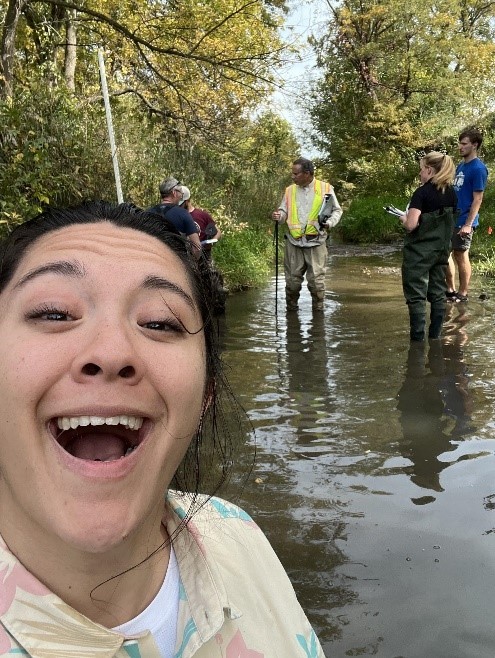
(203,585)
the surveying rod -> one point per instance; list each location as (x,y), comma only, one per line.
(108,112)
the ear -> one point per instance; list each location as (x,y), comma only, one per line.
(209,396)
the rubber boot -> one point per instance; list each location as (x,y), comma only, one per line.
(436,322)
(291,299)
(417,323)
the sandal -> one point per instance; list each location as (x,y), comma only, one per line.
(460,298)
(451,296)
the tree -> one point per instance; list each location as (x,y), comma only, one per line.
(7,54)
(186,79)
(395,75)
(190,64)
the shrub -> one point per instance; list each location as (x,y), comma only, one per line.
(245,257)
(52,153)
(367,222)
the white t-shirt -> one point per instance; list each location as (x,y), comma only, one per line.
(160,617)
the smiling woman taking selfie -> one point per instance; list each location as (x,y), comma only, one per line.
(108,382)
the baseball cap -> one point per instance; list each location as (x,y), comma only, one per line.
(186,194)
(167,185)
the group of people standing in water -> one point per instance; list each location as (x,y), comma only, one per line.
(440,222)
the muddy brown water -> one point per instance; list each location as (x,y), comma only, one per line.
(375,470)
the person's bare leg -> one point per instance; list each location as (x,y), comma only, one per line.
(450,275)
(464,269)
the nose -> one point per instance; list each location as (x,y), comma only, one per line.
(109,354)
(92,369)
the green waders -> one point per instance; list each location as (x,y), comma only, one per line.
(425,257)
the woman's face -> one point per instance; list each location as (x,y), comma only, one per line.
(101,388)
(425,172)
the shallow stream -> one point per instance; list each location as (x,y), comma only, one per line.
(375,471)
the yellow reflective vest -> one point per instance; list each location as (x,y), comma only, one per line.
(311,229)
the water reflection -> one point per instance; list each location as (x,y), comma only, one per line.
(458,402)
(307,377)
(424,427)
(434,404)
(354,436)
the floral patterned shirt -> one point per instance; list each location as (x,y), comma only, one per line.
(236,600)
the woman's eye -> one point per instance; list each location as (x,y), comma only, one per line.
(50,314)
(173,326)
(56,316)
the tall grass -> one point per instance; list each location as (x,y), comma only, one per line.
(245,253)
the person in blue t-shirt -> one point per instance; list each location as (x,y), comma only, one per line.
(469,184)
(171,195)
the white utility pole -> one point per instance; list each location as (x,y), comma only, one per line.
(111,137)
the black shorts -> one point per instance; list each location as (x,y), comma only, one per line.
(461,243)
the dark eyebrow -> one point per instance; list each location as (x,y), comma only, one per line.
(75,269)
(64,267)
(157,283)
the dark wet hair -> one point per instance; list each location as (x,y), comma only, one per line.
(14,247)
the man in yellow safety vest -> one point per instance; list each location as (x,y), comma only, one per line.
(310,208)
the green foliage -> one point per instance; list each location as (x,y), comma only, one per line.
(198,68)
(367,222)
(395,76)
(482,252)
(483,244)
(53,152)
(183,83)
(245,258)
(267,143)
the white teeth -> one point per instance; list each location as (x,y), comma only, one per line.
(73,422)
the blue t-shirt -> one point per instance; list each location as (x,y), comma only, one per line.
(177,216)
(469,177)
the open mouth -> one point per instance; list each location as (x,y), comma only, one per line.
(98,438)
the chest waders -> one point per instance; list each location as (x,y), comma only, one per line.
(425,257)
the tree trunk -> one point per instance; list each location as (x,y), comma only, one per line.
(7,52)
(70,50)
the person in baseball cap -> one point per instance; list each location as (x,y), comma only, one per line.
(167,186)
(186,194)
(171,196)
